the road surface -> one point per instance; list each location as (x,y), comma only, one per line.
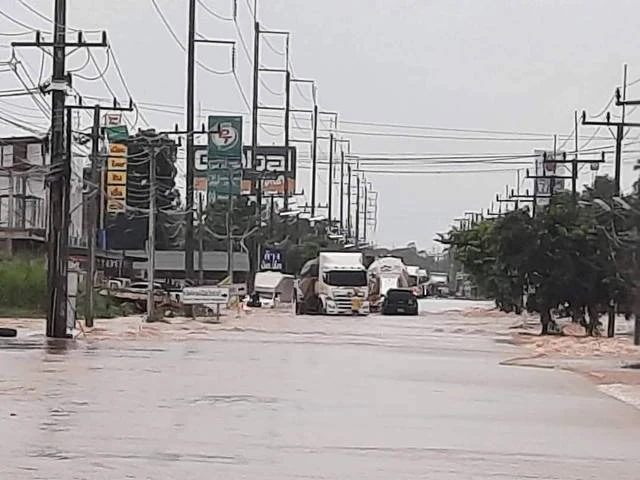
(307,398)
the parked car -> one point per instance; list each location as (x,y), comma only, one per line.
(400,301)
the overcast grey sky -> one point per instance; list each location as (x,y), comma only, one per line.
(511,65)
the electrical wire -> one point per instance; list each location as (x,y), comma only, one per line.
(79,69)
(15,34)
(34,91)
(101,74)
(181,44)
(271,47)
(270,90)
(126,86)
(21,24)
(604,109)
(244,97)
(213,13)
(243,43)
(48,19)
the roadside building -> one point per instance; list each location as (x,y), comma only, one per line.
(170,265)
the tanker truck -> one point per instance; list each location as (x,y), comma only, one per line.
(386,273)
(334,283)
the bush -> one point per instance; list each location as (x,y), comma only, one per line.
(23,285)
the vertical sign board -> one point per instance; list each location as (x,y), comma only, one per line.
(201,167)
(272,260)
(224,153)
(117,178)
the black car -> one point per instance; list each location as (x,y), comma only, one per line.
(400,301)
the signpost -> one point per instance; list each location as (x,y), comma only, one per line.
(117,133)
(117,178)
(206,296)
(274,166)
(224,154)
(272,260)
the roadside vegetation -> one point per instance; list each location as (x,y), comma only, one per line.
(23,286)
(579,258)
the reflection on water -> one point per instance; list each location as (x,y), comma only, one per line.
(278,397)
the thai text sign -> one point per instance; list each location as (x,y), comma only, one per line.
(205,295)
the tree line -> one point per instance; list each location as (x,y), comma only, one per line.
(573,258)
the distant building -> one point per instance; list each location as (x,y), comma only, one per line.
(170,265)
(24,205)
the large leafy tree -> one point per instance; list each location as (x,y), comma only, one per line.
(578,256)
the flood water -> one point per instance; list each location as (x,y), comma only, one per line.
(276,397)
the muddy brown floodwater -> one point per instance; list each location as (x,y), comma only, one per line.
(275,397)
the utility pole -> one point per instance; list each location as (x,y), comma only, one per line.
(620,126)
(349,225)
(287,127)
(341,191)
(201,239)
(254,132)
(272,208)
(190,107)
(228,225)
(151,242)
(58,182)
(96,183)
(574,164)
(357,211)
(254,113)
(92,214)
(330,182)
(364,208)
(58,228)
(314,158)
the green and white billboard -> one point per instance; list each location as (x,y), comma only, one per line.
(224,157)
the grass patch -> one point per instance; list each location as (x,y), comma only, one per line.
(23,286)
(17,312)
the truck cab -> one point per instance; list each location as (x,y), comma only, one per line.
(336,283)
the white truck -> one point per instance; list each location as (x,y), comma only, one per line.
(418,278)
(386,273)
(335,283)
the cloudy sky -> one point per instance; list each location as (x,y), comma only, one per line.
(468,84)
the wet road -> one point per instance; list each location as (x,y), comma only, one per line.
(306,398)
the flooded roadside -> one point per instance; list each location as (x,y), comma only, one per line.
(281,397)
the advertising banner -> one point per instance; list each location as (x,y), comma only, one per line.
(116,192)
(272,260)
(117,133)
(224,179)
(117,178)
(224,158)
(274,167)
(117,157)
(225,137)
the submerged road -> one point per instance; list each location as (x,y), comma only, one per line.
(307,398)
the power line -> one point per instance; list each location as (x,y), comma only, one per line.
(48,19)
(213,13)
(181,44)
(101,74)
(21,24)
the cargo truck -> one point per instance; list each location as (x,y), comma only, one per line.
(334,283)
